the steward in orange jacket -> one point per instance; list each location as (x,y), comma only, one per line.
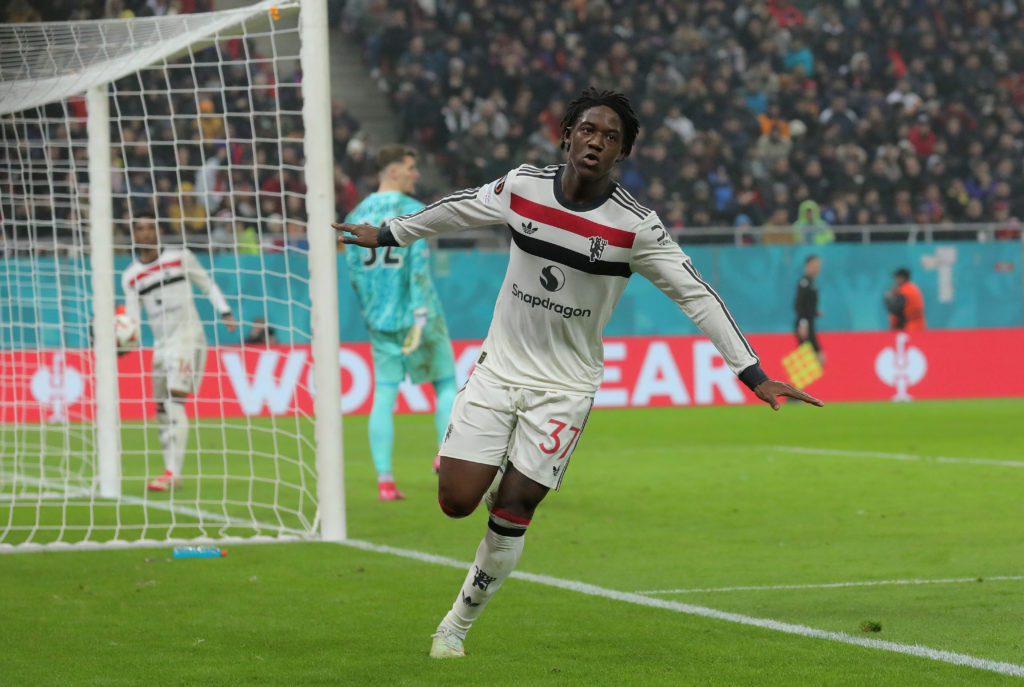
(905,303)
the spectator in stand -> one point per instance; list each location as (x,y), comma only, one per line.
(799,58)
(273,232)
(357,164)
(211,123)
(295,235)
(719,77)
(903,98)
(211,180)
(922,137)
(20,11)
(497,123)
(902,63)
(778,230)
(458,118)
(774,146)
(772,118)
(809,225)
(181,158)
(1008,228)
(346,195)
(188,217)
(247,238)
(980,185)
(282,183)
(344,128)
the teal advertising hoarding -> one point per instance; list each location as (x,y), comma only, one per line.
(45,300)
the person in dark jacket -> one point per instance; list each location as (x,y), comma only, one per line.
(805,306)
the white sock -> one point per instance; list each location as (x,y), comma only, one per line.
(496,558)
(165,434)
(177,437)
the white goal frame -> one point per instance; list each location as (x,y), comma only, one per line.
(61,77)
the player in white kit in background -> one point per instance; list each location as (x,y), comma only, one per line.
(161,280)
(577,236)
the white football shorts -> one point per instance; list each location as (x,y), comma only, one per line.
(178,368)
(537,430)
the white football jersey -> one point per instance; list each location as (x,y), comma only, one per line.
(164,288)
(568,266)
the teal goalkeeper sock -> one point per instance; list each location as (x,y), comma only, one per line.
(445,390)
(382,426)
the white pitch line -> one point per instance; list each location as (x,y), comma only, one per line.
(895,456)
(952,657)
(832,585)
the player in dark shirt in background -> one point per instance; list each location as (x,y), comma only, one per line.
(806,306)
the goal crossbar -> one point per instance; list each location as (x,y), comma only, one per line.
(41,62)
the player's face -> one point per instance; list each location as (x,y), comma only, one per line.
(595,142)
(406,174)
(144,233)
(814,267)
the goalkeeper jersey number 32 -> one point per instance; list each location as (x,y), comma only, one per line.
(391,283)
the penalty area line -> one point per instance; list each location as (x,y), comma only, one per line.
(940,655)
(835,585)
(810,450)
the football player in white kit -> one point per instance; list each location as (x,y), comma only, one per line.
(162,280)
(577,236)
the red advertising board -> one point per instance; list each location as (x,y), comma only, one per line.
(40,386)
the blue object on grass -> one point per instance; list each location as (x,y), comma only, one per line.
(199,552)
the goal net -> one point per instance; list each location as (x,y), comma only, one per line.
(198,121)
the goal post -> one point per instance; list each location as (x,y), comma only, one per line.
(101,245)
(323,268)
(204,121)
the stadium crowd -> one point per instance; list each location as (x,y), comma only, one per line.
(211,146)
(780,120)
(760,113)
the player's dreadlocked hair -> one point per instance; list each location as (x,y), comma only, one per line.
(591,97)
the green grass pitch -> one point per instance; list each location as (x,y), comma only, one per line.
(777,516)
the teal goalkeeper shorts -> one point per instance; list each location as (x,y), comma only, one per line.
(432,361)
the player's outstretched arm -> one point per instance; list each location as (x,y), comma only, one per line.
(770,390)
(364,235)
(472,207)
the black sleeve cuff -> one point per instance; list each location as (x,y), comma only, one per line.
(385,237)
(753,375)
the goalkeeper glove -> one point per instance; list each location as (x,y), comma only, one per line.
(412,339)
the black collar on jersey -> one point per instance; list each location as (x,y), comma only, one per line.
(580,207)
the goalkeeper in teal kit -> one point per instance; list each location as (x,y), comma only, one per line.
(402,311)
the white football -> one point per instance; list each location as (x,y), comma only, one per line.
(126,330)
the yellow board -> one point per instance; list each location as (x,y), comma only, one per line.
(803,366)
